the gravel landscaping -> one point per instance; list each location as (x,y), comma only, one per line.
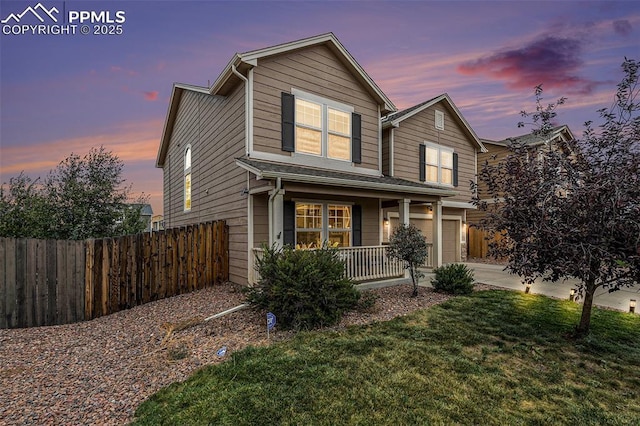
(99,371)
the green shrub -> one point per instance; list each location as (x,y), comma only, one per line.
(455,278)
(304,288)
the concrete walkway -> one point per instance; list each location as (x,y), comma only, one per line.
(494,275)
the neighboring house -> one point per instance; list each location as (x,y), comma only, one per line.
(146,213)
(496,152)
(157,222)
(296,144)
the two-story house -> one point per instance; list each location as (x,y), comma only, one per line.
(296,144)
(495,153)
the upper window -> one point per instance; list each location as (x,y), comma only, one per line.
(322,127)
(187,178)
(438,164)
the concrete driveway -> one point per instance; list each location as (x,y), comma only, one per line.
(494,275)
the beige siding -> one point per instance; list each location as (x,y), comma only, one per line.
(421,128)
(314,70)
(386,140)
(260,220)
(214,127)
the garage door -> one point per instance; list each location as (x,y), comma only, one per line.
(450,237)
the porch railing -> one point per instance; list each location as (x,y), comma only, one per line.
(361,263)
(370,263)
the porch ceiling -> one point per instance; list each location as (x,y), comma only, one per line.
(313,176)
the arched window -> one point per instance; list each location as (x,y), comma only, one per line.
(187,178)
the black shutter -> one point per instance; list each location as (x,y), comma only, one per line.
(356,138)
(289,223)
(356,212)
(288,122)
(455,169)
(423,165)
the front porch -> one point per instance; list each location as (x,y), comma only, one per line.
(362,264)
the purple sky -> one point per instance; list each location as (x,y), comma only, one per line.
(67,93)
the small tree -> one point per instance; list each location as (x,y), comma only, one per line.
(83,197)
(24,209)
(572,209)
(409,245)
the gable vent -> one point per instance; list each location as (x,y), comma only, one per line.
(439,120)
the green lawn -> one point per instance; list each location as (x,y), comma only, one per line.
(495,357)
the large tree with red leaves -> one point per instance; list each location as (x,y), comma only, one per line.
(572,209)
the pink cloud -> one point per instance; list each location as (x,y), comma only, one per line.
(118,70)
(151,96)
(551,61)
(135,143)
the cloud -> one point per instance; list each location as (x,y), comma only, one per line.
(549,60)
(119,70)
(622,27)
(151,96)
(136,141)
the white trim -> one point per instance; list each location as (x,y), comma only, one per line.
(440,148)
(426,216)
(246,107)
(191,87)
(294,177)
(187,171)
(321,201)
(350,184)
(391,150)
(300,159)
(249,83)
(324,231)
(252,56)
(250,236)
(379,142)
(325,105)
(321,100)
(458,204)
(443,97)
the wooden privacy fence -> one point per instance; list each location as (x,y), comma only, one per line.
(45,282)
(478,242)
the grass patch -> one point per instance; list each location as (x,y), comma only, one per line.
(495,357)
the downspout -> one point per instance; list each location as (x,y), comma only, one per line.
(246,107)
(246,152)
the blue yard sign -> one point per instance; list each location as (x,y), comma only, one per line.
(271,320)
(221,352)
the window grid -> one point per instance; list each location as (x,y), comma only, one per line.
(187,178)
(439,165)
(312,230)
(322,130)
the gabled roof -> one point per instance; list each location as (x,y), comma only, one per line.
(243,61)
(394,120)
(176,94)
(293,173)
(562,131)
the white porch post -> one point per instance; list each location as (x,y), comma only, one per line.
(276,217)
(404,207)
(437,233)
